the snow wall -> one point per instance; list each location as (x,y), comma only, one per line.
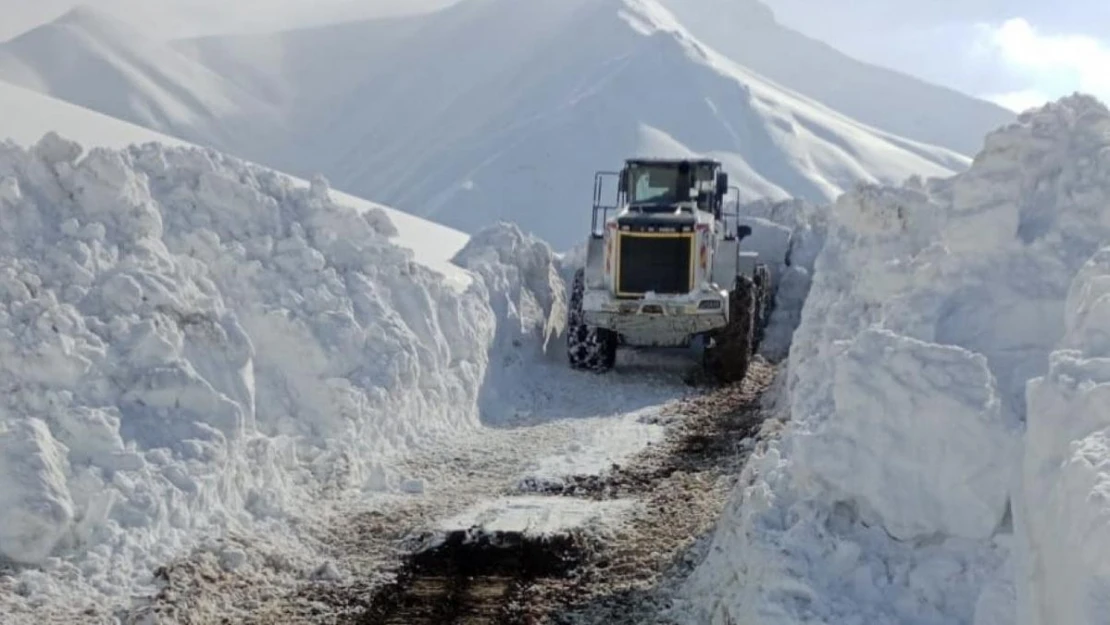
(189,343)
(946,451)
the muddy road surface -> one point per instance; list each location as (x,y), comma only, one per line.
(578,577)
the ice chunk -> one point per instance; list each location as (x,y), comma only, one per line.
(35,505)
(918,437)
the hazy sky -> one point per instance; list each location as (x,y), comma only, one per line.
(1016,52)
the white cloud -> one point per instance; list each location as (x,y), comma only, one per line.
(1050,66)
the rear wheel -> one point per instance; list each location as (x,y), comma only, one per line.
(730,351)
(588,348)
(764,304)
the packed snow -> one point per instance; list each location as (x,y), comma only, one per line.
(1064,505)
(517,94)
(192,344)
(942,458)
(539,516)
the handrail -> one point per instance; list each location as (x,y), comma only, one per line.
(599,183)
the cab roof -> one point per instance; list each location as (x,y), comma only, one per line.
(672,161)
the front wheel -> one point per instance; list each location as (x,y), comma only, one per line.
(588,348)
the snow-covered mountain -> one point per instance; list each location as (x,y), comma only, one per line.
(746,31)
(500,109)
(941,454)
(486,110)
(90,58)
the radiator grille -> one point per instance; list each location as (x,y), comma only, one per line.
(659,264)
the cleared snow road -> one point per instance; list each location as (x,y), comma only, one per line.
(593,547)
(583,513)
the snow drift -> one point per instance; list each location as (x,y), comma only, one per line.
(191,343)
(944,459)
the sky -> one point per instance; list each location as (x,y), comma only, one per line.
(1018,53)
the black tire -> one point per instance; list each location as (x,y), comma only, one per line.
(764,304)
(730,353)
(588,348)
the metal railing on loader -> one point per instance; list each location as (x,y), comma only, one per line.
(603,209)
(731,230)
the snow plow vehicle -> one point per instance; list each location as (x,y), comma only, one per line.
(666,268)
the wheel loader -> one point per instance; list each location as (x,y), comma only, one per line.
(664,268)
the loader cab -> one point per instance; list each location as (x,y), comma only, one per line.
(667,185)
(650,188)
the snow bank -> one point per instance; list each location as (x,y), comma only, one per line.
(528,295)
(931,306)
(29,115)
(1066,470)
(189,343)
(919,413)
(782,557)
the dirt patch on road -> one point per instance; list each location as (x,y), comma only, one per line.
(473,580)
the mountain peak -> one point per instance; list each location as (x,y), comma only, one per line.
(94,20)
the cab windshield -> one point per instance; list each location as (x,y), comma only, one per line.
(653,184)
(658,184)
